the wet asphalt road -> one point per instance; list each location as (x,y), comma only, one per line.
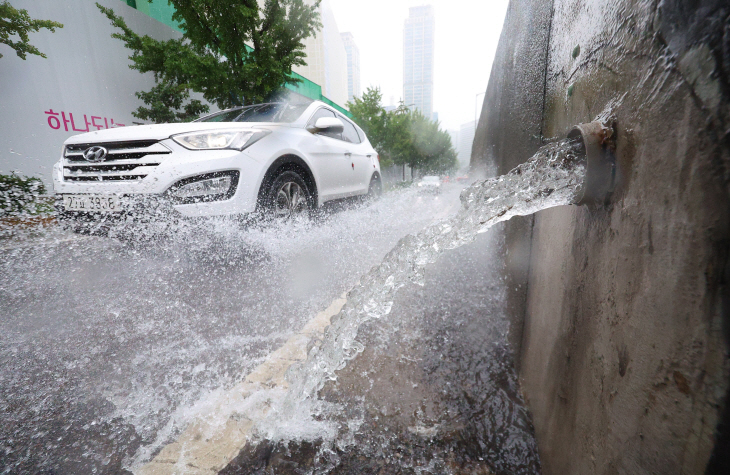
(105,346)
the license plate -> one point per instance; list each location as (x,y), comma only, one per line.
(103,203)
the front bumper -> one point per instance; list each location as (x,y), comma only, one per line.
(180,165)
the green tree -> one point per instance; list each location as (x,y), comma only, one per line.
(370,115)
(399,136)
(414,140)
(14,22)
(234,52)
(432,150)
(403,136)
(167,104)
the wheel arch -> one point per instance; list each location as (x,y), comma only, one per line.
(282,164)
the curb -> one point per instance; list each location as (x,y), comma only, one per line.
(206,448)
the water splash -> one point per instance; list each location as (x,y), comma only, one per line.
(552,177)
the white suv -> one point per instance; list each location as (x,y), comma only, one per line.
(278,158)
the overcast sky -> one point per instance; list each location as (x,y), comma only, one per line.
(467,33)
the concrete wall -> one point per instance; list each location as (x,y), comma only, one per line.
(620,313)
(510,129)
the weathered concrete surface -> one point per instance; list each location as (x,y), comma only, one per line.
(624,356)
(510,130)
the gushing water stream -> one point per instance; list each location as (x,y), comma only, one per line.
(552,177)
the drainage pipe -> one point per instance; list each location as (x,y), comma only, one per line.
(599,144)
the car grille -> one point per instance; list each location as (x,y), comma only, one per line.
(125,161)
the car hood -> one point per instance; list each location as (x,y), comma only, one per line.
(162,131)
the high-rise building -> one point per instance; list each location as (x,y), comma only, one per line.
(326,57)
(466,140)
(353,65)
(454,134)
(418,38)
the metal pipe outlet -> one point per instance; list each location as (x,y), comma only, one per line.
(599,145)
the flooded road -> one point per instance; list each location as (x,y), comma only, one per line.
(105,346)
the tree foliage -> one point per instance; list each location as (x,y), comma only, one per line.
(403,136)
(14,22)
(233,52)
(166,103)
(370,116)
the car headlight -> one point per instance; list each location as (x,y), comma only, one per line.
(220,139)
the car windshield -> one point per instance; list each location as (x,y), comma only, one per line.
(430,179)
(272,112)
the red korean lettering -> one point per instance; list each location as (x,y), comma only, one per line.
(116,125)
(93,122)
(73,126)
(65,121)
(51,117)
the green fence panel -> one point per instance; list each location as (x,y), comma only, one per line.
(160,10)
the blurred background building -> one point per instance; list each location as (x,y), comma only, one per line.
(353,65)
(454,134)
(326,57)
(418,45)
(466,140)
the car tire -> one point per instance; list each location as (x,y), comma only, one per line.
(375,190)
(288,197)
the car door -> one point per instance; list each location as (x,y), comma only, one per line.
(360,158)
(327,154)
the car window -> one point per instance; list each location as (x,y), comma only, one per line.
(350,133)
(324,113)
(224,116)
(292,112)
(273,112)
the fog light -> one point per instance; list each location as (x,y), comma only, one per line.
(211,186)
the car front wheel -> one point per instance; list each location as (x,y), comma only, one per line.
(288,197)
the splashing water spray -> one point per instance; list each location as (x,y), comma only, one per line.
(575,170)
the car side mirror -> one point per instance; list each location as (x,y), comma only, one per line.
(330,125)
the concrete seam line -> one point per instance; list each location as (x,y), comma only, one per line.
(210,443)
